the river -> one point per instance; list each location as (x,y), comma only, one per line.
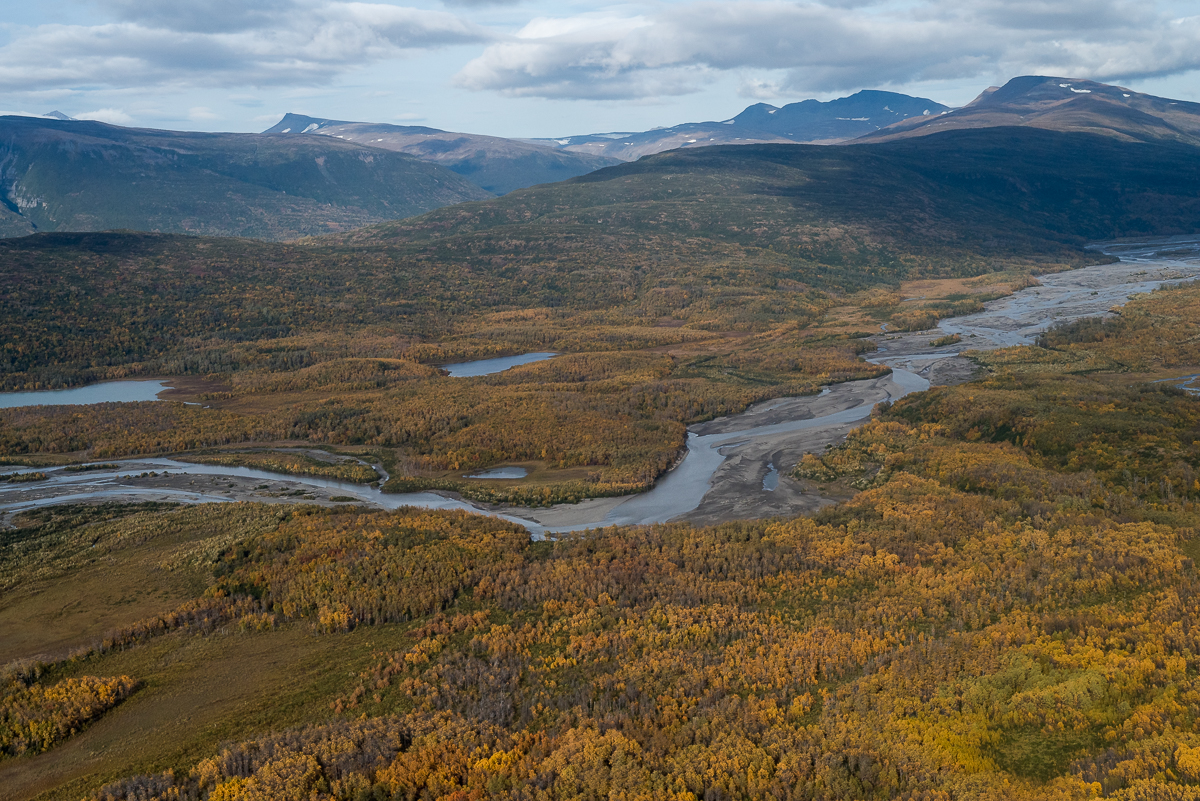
(734,467)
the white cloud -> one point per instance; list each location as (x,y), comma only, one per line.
(202,114)
(113,116)
(304,44)
(481,3)
(203,15)
(824,47)
(760,89)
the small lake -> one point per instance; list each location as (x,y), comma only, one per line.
(108,392)
(489,366)
(510,473)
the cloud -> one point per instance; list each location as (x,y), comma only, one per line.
(481,3)
(113,116)
(202,114)
(276,42)
(202,16)
(760,89)
(833,46)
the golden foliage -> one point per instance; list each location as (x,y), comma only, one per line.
(296,464)
(34,718)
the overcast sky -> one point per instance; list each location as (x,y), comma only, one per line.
(538,68)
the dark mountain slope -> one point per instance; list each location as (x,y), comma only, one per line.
(496,164)
(88,176)
(1065,105)
(964,195)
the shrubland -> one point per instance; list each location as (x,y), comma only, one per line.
(1005,611)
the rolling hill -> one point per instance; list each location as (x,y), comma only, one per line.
(73,175)
(961,197)
(496,164)
(1066,105)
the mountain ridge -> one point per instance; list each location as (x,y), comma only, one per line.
(81,175)
(804,122)
(493,163)
(1064,105)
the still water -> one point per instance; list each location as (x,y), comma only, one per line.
(108,392)
(489,366)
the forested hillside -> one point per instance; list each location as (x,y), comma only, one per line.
(76,175)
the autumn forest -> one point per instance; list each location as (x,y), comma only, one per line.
(994,600)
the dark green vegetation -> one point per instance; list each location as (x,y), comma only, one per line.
(490,162)
(1002,614)
(959,203)
(87,176)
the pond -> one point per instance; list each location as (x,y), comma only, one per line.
(510,473)
(133,391)
(108,392)
(490,366)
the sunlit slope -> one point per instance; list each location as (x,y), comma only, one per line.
(1063,104)
(87,176)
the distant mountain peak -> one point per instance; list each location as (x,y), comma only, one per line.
(299,123)
(58,115)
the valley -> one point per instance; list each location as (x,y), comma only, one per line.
(974,521)
(764,470)
(720,478)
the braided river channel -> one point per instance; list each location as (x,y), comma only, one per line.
(734,467)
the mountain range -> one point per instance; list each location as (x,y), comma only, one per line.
(77,175)
(809,121)
(1062,104)
(493,163)
(309,176)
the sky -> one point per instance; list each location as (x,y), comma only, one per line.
(533,68)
